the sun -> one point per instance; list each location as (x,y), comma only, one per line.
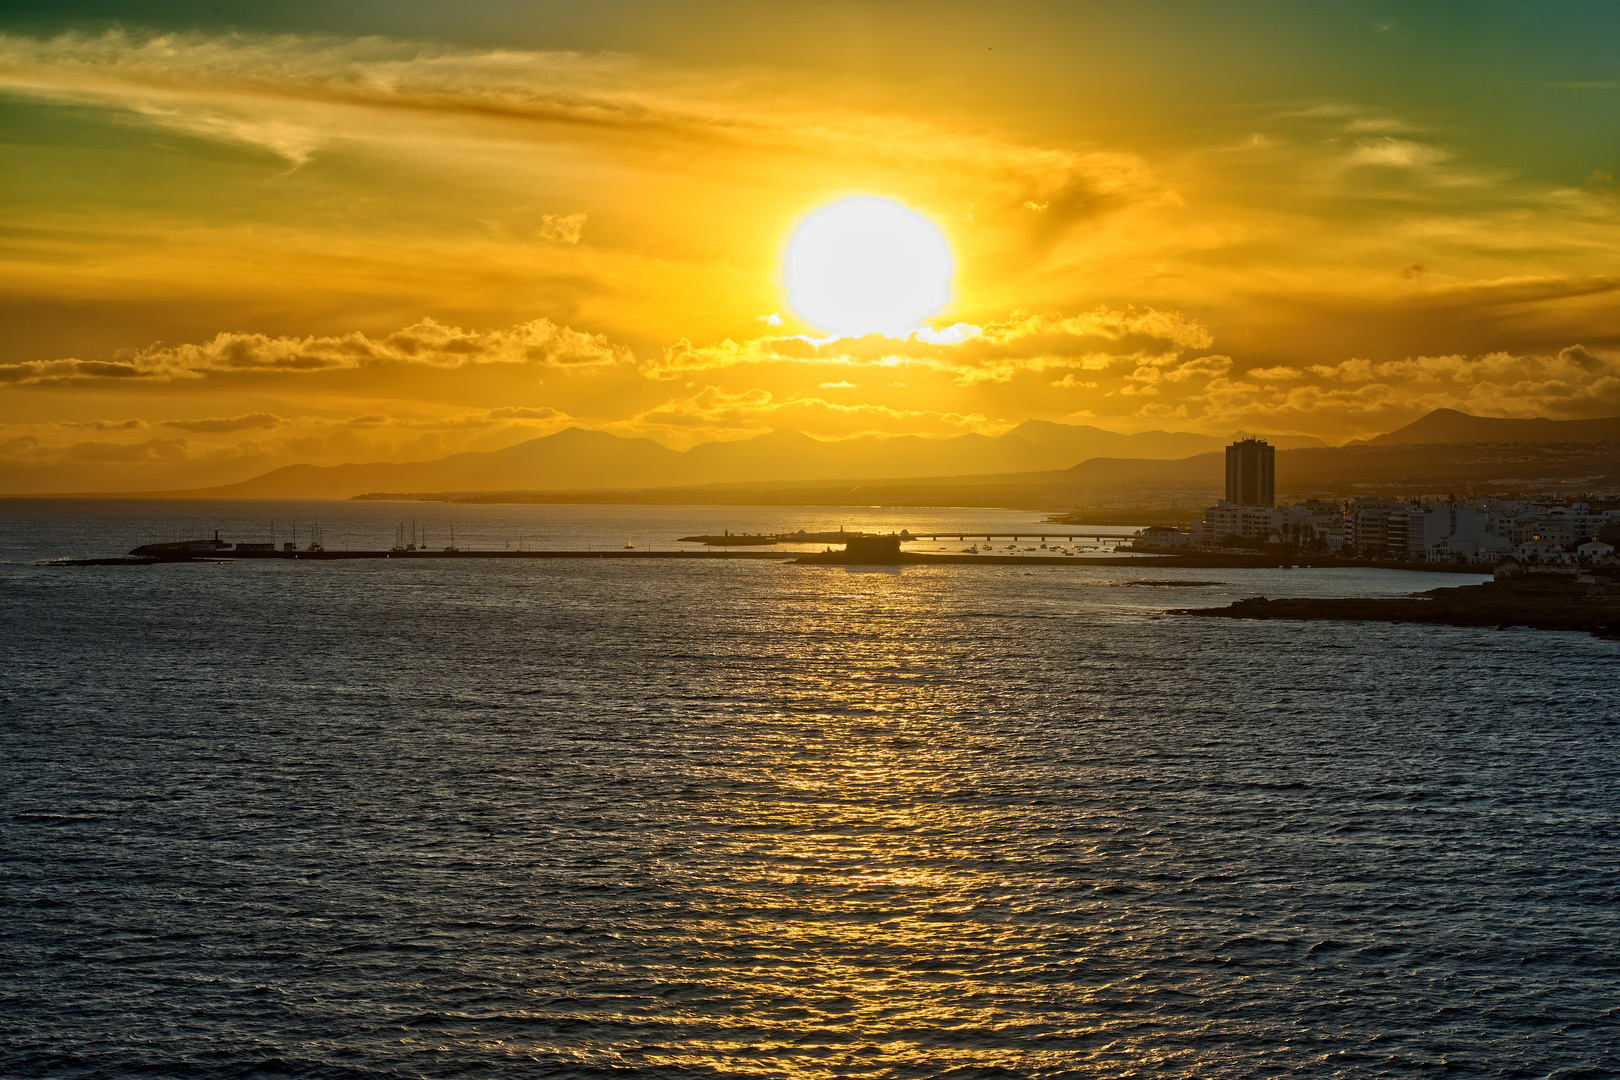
(867,265)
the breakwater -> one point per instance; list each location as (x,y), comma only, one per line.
(137,558)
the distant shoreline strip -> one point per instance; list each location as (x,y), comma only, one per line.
(835,558)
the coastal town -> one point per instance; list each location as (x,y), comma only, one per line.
(1438,528)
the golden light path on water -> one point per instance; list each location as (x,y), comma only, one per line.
(851,895)
(860,914)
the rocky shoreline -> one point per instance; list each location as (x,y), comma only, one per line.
(1541,602)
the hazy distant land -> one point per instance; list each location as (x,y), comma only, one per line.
(1140,479)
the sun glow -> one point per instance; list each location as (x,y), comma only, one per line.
(867,265)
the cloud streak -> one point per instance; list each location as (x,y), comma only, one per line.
(427,343)
(220,425)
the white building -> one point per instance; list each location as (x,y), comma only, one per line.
(1593,551)
(1542,551)
(1378,528)
(1225,520)
(1165,537)
(1315,523)
(1448,530)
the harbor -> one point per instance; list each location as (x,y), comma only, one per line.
(857,548)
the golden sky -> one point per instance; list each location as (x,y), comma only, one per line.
(262,234)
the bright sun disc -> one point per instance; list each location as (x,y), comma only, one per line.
(867,265)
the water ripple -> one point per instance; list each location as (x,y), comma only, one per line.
(735,820)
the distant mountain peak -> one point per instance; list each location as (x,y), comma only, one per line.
(785,435)
(1455,426)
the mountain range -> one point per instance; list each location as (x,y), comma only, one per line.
(577,459)
(580,460)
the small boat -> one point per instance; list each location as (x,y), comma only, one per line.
(629,545)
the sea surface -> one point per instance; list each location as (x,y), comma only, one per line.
(562,818)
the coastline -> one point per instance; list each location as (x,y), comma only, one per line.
(1199,561)
(1543,603)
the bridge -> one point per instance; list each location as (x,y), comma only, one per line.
(1043,537)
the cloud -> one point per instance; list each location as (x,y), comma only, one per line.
(562,228)
(104,425)
(224,86)
(30,450)
(19,445)
(1353,370)
(1281,373)
(524,414)
(299,96)
(429,343)
(1148,376)
(295,142)
(152,450)
(710,407)
(994,352)
(1396,154)
(222,424)
(1575,382)
(1376,123)
(488,418)
(56,371)
(1207,366)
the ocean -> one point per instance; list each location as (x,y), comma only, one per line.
(559,818)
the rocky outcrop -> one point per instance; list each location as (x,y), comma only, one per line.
(1588,602)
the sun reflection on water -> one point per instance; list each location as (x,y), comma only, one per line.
(867,883)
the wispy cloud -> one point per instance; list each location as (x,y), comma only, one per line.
(219,425)
(562,228)
(104,425)
(1396,153)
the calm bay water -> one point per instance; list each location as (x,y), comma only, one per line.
(743,819)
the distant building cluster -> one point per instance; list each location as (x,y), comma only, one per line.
(1440,530)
